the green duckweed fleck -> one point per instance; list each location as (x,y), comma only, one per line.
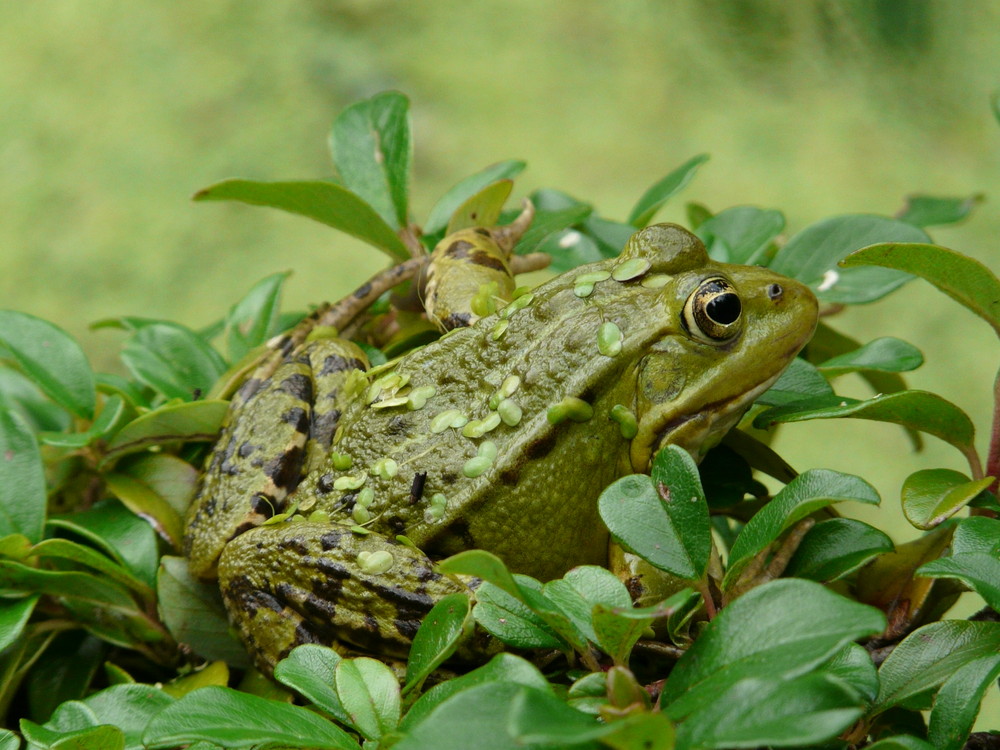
(375,563)
(626,420)
(510,412)
(448,418)
(476,466)
(365,497)
(572,408)
(609,339)
(418,397)
(630,269)
(656,281)
(350,482)
(360,514)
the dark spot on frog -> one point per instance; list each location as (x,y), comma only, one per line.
(449,478)
(635,587)
(588,394)
(297,385)
(318,607)
(417,487)
(406,628)
(425,575)
(331,539)
(363,291)
(510,476)
(262,505)
(457,320)
(296,544)
(483,231)
(336,363)
(243,528)
(283,470)
(304,635)
(325,484)
(542,446)
(324,425)
(486,260)
(459,249)
(398,426)
(396,524)
(371,623)
(331,569)
(298,417)
(249,598)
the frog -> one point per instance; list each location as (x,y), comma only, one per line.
(337,487)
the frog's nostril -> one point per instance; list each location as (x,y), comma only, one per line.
(774,291)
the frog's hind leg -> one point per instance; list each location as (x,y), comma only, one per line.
(274,430)
(303,582)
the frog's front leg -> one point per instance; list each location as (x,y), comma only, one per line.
(306,582)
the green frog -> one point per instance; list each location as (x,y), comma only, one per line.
(334,488)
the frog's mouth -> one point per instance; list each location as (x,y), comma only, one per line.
(696,431)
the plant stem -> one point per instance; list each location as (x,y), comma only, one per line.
(993,458)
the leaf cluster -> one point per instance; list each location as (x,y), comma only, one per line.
(787,625)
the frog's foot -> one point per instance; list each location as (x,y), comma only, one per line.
(304,582)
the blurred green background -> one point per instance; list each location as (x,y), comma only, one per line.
(115,113)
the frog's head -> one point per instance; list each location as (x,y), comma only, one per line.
(728,333)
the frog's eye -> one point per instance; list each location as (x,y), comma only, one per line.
(712,312)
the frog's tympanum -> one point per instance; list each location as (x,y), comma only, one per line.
(499,436)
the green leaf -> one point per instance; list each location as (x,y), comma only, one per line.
(833,548)
(503,668)
(804,495)
(443,210)
(798,382)
(64,549)
(171,423)
(769,711)
(930,655)
(962,278)
(610,236)
(309,670)
(570,248)
(976,534)
(236,720)
(20,394)
(927,210)
(917,410)
(741,234)
(778,630)
(812,255)
(145,503)
(18,578)
(482,209)
(369,692)
(112,416)
(252,320)
(854,667)
(932,496)
(173,360)
(617,629)
(440,633)
(22,479)
(669,528)
(170,477)
(193,612)
(64,672)
(540,718)
(481,712)
(101,737)
(957,703)
(370,144)
(52,359)
(549,222)
(512,621)
(581,590)
(979,571)
(9,740)
(883,354)
(14,614)
(901,742)
(122,534)
(322,201)
(659,193)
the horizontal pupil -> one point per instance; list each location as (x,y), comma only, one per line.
(724,308)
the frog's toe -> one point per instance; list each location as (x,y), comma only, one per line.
(294,583)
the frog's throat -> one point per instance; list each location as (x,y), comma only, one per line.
(697,431)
